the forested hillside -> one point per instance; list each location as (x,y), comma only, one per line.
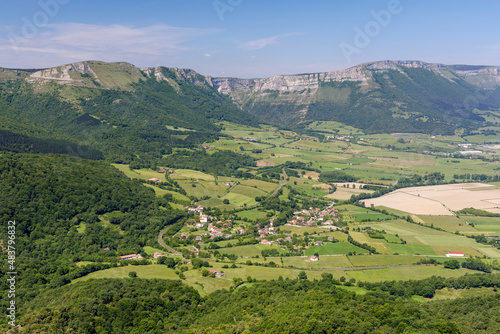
(58,203)
(284,306)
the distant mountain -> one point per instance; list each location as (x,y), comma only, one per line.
(385,96)
(130,113)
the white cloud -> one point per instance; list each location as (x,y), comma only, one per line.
(259,43)
(59,43)
(207,55)
(263,42)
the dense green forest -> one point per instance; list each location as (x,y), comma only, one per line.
(59,203)
(284,306)
(217,163)
(11,141)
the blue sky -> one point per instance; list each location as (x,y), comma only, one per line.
(248,38)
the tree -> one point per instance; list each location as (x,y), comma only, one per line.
(225,201)
(452,264)
(132,274)
(326,276)
(302,275)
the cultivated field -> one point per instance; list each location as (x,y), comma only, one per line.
(441,199)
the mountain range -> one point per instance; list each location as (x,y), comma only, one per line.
(123,110)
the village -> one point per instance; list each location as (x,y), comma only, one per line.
(203,232)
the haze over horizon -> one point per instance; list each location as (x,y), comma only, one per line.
(239,38)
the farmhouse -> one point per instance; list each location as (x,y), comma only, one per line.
(130,257)
(455,254)
(157,255)
(216,273)
(265,242)
(155,180)
(318,243)
(314,258)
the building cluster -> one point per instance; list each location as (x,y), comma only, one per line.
(215,229)
(340,137)
(315,216)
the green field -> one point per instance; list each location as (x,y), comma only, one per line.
(486,225)
(448,223)
(247,250)
(335,249)
(191,175)
(149,271)
(411,249)
(161,192)
(392,238)
(252,214)
(383,260)
(404,273)
(262,185)
(363,217)
(160,271)
(143,174)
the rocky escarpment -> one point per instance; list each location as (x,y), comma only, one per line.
(238,89)
(412,92)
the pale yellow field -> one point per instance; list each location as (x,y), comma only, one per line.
(322,186)
(346,193)
(265,163)
(313,175)
(441,199)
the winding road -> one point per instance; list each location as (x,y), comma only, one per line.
(160,241)
(285,178)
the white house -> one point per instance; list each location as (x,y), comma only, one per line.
(455,254)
